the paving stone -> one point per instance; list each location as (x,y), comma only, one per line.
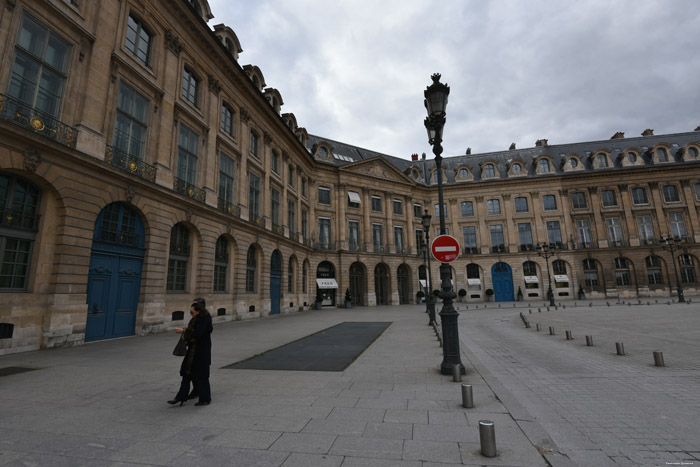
(336,427)
(366,462)
(367,447)
(303,442)
(432,451)
(447,418)
(312,460)
(388,430)
(343,413)
(245,439)
(150,453)
(406,416)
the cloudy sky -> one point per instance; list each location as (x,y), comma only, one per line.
(569,71)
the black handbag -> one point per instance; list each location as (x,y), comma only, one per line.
(181,347)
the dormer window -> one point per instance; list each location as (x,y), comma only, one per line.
(632,157)
(693,152)
(489,171)
(517,168)
(138,40)
(323,152)
(661,155)
(573,162)
(544,166)
(463,173)
(601,160)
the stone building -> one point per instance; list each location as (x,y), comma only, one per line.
(141,166)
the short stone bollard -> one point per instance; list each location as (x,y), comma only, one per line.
(551,330)
(457,373)
(620,347)
(589,341)
(538,327)
(658,358)
(487,436)
(568,336)
(467,396)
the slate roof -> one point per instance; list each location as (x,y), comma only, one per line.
(558,153)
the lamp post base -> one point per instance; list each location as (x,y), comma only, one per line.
(450,338)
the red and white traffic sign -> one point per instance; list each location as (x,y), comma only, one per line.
(445,248)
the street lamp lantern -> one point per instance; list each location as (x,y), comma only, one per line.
(672,244)
(436,103)
(543,250)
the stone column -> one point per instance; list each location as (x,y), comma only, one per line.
(632,232)
(389,235)
(664,228)
(511,233)
(694,230)
(341,221)
(569,231)
(601,232)
(367,227)
(484,240)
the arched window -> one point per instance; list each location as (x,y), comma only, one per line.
(544,166)
(654,275)
(251,267)
(590,273)
(290,276)
(221,258)
(661,154)
(179,258)
(304,278)
(473,277)
(693,152)
(622,272)
(530,273)
(489,171)
(463,173)
(687,269)
(517,168)
(601,160)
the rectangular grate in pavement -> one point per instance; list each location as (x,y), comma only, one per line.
(13,370)
(332,349)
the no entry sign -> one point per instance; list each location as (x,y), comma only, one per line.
(445,248)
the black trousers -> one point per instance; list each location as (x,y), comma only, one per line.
(200,387)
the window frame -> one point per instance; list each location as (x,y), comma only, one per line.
(324,195)
(191,85)
(549,203)
(141,28)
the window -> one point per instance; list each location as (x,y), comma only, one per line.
(469,234)
(687,268)
(601,160)
(609,198)
(661,155)
(251,267)
(474,274)
(525,234)
(493,206)
(253,144)
(179,258)
(275,162)
(376,204)
(489,171)
(463,173)
(573,162)
(253,196)
(590,273)
(544,166)
(639,196)
(467,208)
(398,207)
(398,239)
(138,40)
(521,204)
(220,264)
(324,231)
(614,230)
(497,241)
(653,264)
(622,272)
(353,199)
(583,228)
(290,276)
(692,152)
(354,235)
(437,211)
(292,217)
(419,241)
(697,191)
(226,182)
(38,73)
(517,168)
(275,207)
(187,156)
(304,278)
(304,223)
(549,202)
(324,195)
(290,180)
(19,204)
(418,210)
(632,157)
(646,230)
(530,271)
(554,233)
(323,152)
(578,200)
(671,194)
(377,240)
(677,225)
(435,177)
(303,187)
(131,123)
(559,267)
(190,87)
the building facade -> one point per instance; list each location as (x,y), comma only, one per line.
(141,166)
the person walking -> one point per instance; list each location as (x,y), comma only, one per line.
(195,365)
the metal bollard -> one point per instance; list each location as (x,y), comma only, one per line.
(589,341)
(457,373)
(527,324)
(620,347)
(539,310)
(551,330)
(538,327)
(529,312)
(487,435)
(659,358)
(568,336)
(467,396)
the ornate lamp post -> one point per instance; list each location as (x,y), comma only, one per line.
(672,244)
(436,103)
(544,251)
(429,303)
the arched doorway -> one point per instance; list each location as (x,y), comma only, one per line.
(403,274)
(381,284)
(326,270)
(275,282)
(114,277)
(357,283)
(502,277)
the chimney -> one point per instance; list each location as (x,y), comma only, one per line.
(618,135)
(423,156)
(469,151)
(414,156)
(648,132)
(541,143)
(697,129)
(512,146)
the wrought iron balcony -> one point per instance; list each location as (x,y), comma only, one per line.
(129,163)
(472,250)
(586,245)
(324,246)
(257,220)
(379,249)
(295,236)
(19,220)
(498,249)
(617,243)
(649,241)
(189,190)
(358,248)
(277,229)
(527,247)
(41,123)
(228,207)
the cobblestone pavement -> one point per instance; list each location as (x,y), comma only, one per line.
(599,408)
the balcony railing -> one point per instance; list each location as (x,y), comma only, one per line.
(257,220)
(129,163)
(379,249)
(24,115)
(527,247)
(498,249)
(357,248)
(324,246)
(277,229)
(649,241)
(228,207)
(586,245)
(617,243)
(19,220)
(472,250)
(189,190)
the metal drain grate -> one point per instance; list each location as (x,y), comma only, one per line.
(13,370)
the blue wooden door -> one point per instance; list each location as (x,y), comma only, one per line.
(502,277)
(275,282)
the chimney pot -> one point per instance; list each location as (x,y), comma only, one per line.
(469,151)
(414,156)
(648,132)
(618,135)
(697,129)
(423,156)
(512,146)
(541,143)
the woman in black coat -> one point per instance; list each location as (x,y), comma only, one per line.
(195,365)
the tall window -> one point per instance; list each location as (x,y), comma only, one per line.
(549,202)
(418,209)
(226,182)
(609,198)
(578,200)
(324,195)
(190,87)
(179,258)
(614,230)
(187,155)
(654,275)
(554,233)
(525,233)
(687,268)
(601,160)
(544,166)
(639,196)
(437,211)
(226,119)
(473,273)
(304,277)
(661,155)
(354,235)
(583,229)
(290,276)
(220,264)
(489,171)
(590,273)
(304,223)
(469,234)
(253,196)
(559,269)
(398,207)
(292,217)
(671,194)
(131,122)
(290,179)
(493,206)
(253,144)
(19,205)
(377,239)
(521,204)
(497,240)
(376,204)
(303,187)
(646,229)
(530,272)
(353,199)
(697,191)
(419,240)
(39,71)
(275,207)
(138,40)
(398,239)
(467,209)
(677,225)
(622,272)
(324,231)
(275,162)
(251,266)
